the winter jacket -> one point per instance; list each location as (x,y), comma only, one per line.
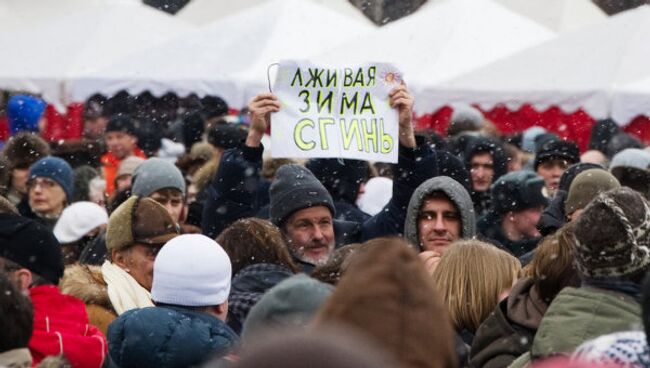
(456,193)
(234,192)
(26,211)
(553,216)
(87,283)
(489,226)
(248,286)
(166,337)
(577,315)
(508,332)
(61,327)
(110,164)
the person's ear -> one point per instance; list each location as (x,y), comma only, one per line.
(119,258)
(23,278)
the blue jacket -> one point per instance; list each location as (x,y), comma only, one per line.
(234,193)
(167,337)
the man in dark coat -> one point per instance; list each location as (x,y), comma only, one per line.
(299,204)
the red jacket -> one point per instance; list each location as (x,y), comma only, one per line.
(110,164)
(61,326)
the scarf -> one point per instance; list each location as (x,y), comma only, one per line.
(124,292)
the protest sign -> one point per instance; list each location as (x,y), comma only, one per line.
(335,112)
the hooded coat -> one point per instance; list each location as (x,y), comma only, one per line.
(509,331)
(483,200)
(578,315)
(87,283)
(166,337)
(458,196)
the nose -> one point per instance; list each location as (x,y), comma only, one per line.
(317,234)
(438,224)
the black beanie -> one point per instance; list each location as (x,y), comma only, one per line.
(226,135)
(31,245)
(121,123)
(296,188)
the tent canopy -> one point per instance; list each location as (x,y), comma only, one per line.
(443,40)
(44,57)
(229,57)
(558,15)
(579,69)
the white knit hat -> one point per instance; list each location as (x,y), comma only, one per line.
(77,220)
(191,270)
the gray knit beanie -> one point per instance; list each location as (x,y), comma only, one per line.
(613,235)
(155,174)
(296,188)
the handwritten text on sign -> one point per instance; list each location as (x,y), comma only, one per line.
(336,112)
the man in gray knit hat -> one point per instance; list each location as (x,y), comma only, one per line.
(162,181)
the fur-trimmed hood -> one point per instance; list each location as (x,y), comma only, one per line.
(86,283)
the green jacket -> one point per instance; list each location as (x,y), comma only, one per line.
(581,314)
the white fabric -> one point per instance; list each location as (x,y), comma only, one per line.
(53,50)
(229,57)
(124,292)
(558,15)
(579,69)
(191,270)
(77,220)
(377,193)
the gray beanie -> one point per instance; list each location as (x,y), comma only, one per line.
(291,303)
(155,174)
(296,188)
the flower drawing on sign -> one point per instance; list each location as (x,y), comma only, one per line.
(390,76)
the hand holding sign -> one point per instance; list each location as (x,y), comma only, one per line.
(260,109)
(401,99)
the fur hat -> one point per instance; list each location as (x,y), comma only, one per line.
(613,235)
(586,186)
(293,189)
(139,220)
(516,191)
(121,123)
(23,149)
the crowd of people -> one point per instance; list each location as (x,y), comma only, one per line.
(169,237)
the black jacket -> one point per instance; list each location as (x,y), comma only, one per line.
(234,193)
(489,227)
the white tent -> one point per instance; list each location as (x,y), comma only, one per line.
(558,15)
(631,100)
(443,40)
(202,12)
(579,69)
(228,58)
(50,53)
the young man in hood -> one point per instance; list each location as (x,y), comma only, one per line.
(486,161)
(439,213)
(299,204)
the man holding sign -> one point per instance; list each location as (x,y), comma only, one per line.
(299,204)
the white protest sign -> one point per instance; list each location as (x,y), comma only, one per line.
(335,112)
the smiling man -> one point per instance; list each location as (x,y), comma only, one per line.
(439,213)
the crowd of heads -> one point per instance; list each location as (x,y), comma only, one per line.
(492,250)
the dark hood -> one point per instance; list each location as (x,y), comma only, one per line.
(494,148)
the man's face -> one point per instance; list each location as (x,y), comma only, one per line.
(123,182)
(439,224)
(482,170)
(310,234)
(138,261)
(95,128)
(172,200)
(46,197)
(551,170)
(19,180)
(120,144)
(525,221)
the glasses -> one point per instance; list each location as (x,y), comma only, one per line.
(42,182)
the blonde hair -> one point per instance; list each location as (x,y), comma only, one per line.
(470,277)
